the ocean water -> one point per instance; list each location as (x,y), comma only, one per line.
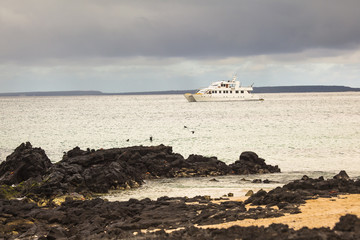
(303,133)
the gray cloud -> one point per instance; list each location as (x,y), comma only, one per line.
(40,30)
(148,45)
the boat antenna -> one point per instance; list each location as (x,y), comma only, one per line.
(234,76)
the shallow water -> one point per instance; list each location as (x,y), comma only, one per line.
(191,187)
(303,133)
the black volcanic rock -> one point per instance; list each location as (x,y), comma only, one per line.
(100,219)
(274,231)
(250,163)
(206,166)
(342,175)
(89,171)
(348,223)
(24,163)
(296,192)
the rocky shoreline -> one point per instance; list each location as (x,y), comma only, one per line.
(28,178)
(86,172)
(147,219)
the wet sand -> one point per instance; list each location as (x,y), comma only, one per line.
(315,213)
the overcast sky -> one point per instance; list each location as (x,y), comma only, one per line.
(149,45)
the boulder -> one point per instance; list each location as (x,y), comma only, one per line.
(249,193)
(258,180)
(24,163)
(207,166)
(348,223)
(250,163)
(342,175)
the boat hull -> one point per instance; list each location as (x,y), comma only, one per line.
(211,98)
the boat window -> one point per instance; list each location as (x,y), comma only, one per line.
(236,91)
(230,91)
(242,91)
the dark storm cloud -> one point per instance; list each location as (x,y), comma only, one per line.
(35,30)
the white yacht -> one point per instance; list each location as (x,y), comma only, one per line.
(226,90)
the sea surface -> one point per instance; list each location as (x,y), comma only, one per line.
(317,134)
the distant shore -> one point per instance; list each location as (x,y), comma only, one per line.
(275,89)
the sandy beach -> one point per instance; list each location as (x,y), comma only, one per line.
(315,213)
